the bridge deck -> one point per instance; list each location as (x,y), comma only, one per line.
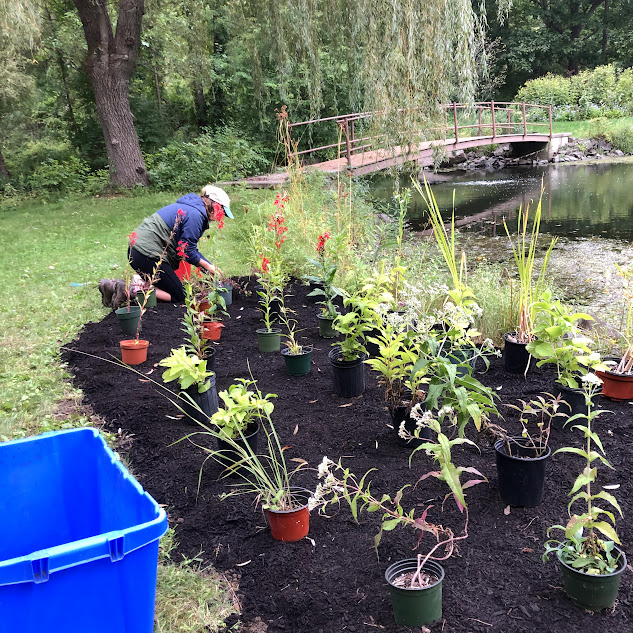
(362,163)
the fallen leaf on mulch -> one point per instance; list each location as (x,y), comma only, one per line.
(349,404)
(506,510)
(527,550)
(143,380)
(313,401)
(242,564)
(296,429)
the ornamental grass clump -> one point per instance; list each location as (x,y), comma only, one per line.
(590,538)
(530,290)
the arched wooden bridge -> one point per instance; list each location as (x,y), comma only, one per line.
(465,127)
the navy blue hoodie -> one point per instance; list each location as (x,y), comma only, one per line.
(191,227)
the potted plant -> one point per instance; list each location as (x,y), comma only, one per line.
(324,282)
(212,323)
(297,357)
(193,328)
(522,459)
(134,351)
(268,476)
(129,315)
(590,560)
(347,356)
(236,422)
(271,286)
(197,384)
(516,353)
(559,341)
(460,307)
(617,378)
(403,382)
(415,584)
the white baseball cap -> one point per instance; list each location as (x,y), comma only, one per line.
(218,195)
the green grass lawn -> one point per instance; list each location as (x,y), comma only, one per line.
(46,248)
(586,129)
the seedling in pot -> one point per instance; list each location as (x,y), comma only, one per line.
(535,435)
(589,537)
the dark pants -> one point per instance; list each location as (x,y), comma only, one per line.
(167,278)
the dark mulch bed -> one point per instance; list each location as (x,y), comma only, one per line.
(334,582)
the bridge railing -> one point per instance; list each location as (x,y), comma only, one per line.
(461,121)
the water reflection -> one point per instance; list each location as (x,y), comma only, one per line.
(579,200)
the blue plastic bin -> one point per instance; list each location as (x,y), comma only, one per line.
(78,538)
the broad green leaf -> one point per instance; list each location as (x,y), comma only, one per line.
(607,530)
(390,524)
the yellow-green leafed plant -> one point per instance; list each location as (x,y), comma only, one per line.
(590,537)
(187,369)
(241,407)
(524,255)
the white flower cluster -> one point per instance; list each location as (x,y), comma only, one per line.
(330,483)
(591,379)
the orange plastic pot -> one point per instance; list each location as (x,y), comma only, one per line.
(133,351)
(212,330)
(291,525)
(616,386)
(203,306)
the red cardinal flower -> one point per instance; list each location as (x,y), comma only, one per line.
(131,238)
(265,264)
(182,249)
(321,242)
(276,223)
(181,213)
(218,214)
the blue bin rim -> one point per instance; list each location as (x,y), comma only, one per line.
(36,566)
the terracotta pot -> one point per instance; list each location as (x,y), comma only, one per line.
(212,330)
(291,525)
(616,386)
(203,306)
(134,352)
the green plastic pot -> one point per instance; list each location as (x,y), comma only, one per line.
(415,607)
(298,364)
(325,328)
(151,300)
(589,591)
(269,340)
(128,319)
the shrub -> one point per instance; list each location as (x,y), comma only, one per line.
(621,138)
(548,90)
(212,157)
(59,178)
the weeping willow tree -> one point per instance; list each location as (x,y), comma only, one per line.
(399,58)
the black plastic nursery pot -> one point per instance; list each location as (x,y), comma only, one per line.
(326,329)
(207,403)
(515,355)
(593,592)
(572,402)
(228,455)
(521,476)
(348,375)
(269,340)
(297,364)
(128,318)
(402,414)
(415,606)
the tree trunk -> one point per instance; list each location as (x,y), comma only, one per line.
(4,172)
(110,63)
(201,104)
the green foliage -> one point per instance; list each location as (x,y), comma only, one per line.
(582,548)
(559,341)
(603,91)
(241,408)
(212,157)
(187,369)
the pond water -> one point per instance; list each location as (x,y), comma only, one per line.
(579,200)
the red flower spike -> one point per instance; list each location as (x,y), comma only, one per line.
(131,238)
(182,249)
(265,264)
(181,213)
